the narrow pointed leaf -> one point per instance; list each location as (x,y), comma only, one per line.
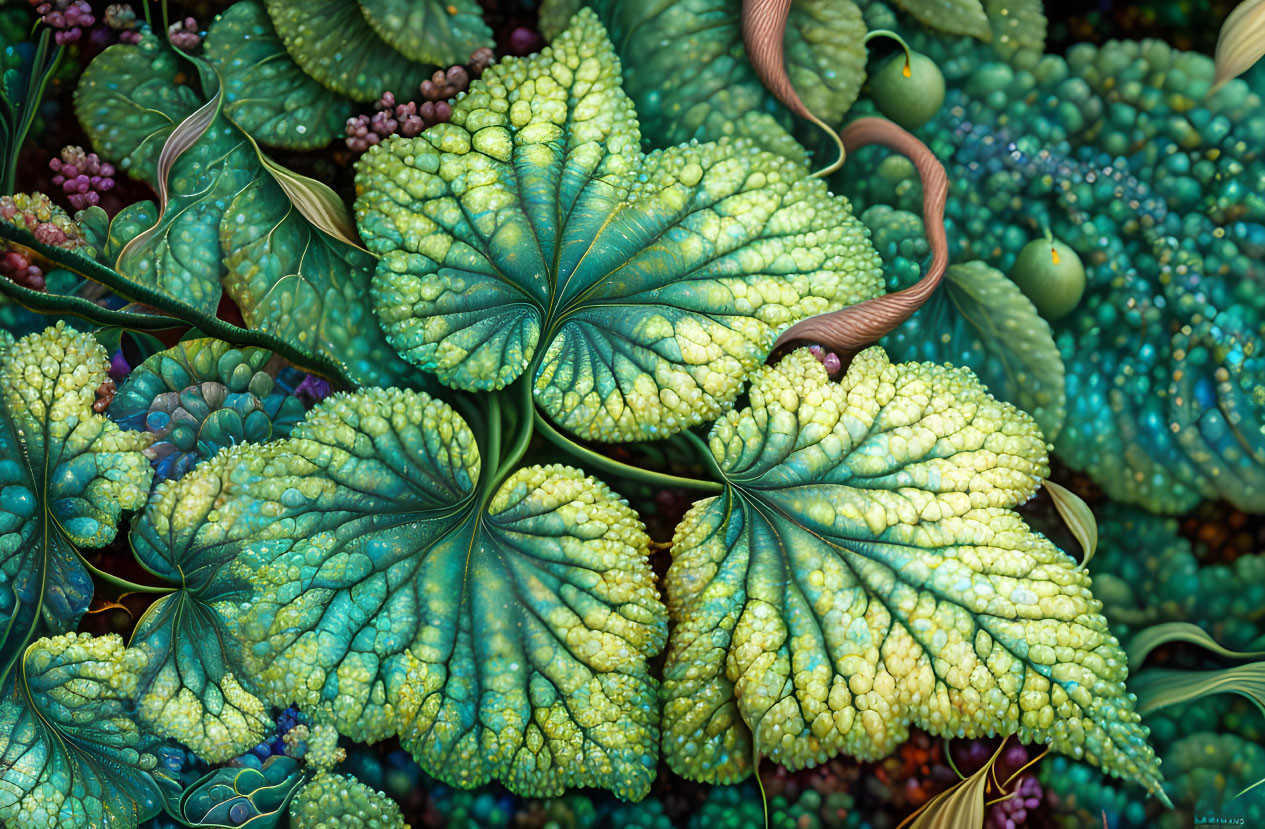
(1242,41)
(1151,638)
(1078,517)
(962,806)
(1158,688)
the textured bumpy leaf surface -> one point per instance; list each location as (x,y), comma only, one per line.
(693,79)
(957,17)
(265,91)
(338,801)
(290,279)
(190,690)
(181,256)
(979,317)
(501,636)
(129,102)
(253,797)
(334,43)
(864,571)
(531,233)
(70,755)
(442,32)
(66,474)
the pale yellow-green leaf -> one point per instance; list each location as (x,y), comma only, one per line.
(1156,635)
(962,806)
(1078,517)
(1241,43)
(1158,688)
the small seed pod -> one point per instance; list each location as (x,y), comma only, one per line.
(1051,275)
(908,91)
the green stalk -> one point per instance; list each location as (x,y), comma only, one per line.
(614,467)
(210,325)
(124,584)
(45,303)
(36,85)
(523,439)
(705,455)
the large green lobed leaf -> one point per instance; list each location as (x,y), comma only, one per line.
(191,690)
(266,93)
(531,234)
(71,756)
(66,475)
(865,571)
(333,41)
(129,101)
(502,634)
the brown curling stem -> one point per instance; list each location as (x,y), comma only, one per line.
(852,329)
(763,29)
(849,330)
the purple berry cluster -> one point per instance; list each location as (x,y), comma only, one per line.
(68,17)
(1012,813)
(312,390)
(122,18)
(184,34)
(82,176)
(409,119)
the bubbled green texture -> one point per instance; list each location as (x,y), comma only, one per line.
(1121,153)
(128,103)
(200,396)
(66,475)
(179,256)
(266,93)
(977,317)
(70,754)
(1146,573)
(262,794)
(865,571)
(442,32)
(193,688)
(338,801)
(693,79)
(230,228)
(334,43)
(531,233)
(958,17)
(502,635)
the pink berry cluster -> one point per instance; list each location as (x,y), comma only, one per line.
(48,223)
(68,17)
(122,18)
(184,34)
(409,119)
(82,176)
(829,359)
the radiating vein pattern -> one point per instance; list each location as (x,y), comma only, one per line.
(864,571)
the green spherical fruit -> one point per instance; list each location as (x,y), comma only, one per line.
(1051,275)
(908,93)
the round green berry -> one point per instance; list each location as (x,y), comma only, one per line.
(910,93)
(1051,275)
